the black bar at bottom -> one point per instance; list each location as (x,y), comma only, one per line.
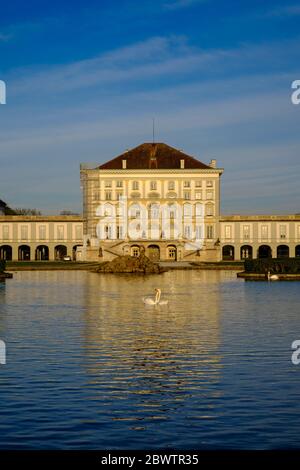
(139,459)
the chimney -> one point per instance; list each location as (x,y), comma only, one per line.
(182,163)
(124,164)
(213,163)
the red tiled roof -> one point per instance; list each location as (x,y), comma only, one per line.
(153,156)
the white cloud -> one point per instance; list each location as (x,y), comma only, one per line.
(157,57)
(113,97)
(178,4)
(5,37)
(282,11)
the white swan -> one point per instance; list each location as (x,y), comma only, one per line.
(272,277)
(156,300)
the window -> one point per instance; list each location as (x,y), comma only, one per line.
(199,209)
(135,185)
(198,184)
(198,232)
(187,231)
(171,185)
(198,195)
(209,195)
(228,232)
(209,184)
(97,196)
(108,184)
(282,231)
(135,211)
(24,232)
(60,232)
(42,232)
(209,232)
(119,184)
(108,195)
(187,210)
(187,184)
(186,195)
(119,231)
(5,232)
(154,211)
(264,231)
(119,195)
(153,185)
(209,210)
(110,232)
(78,232)
(172,252)
(246,232)
(135,251)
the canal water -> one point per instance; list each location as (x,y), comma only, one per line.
(89,366)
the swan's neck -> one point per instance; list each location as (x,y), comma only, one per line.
(158,294)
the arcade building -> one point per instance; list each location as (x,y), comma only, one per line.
(148,178)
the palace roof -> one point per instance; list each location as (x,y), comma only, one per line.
(153,156)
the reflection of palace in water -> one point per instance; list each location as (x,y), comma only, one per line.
(142,350)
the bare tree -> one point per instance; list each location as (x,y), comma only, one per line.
(26,211)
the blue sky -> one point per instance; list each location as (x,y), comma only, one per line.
(85,79)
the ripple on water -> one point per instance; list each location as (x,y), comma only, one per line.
(89,366)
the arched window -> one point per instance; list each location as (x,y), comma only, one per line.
(135,251)
(209,209)
(187,210)
(24,253)
(60,251)
(264,251)
(172,252)
(6,252)
(283,251)
(42,253)
(228,252)
(246,252)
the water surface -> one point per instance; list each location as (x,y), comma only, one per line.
(90,367)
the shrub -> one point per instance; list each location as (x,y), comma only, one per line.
(2,266)
(274,265)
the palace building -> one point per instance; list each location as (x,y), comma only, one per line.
(135,189)
(39,238)
(153,199)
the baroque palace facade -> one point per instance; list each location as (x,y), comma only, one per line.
(153,199)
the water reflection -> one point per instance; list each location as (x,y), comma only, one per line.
(90,366)
(155,357)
